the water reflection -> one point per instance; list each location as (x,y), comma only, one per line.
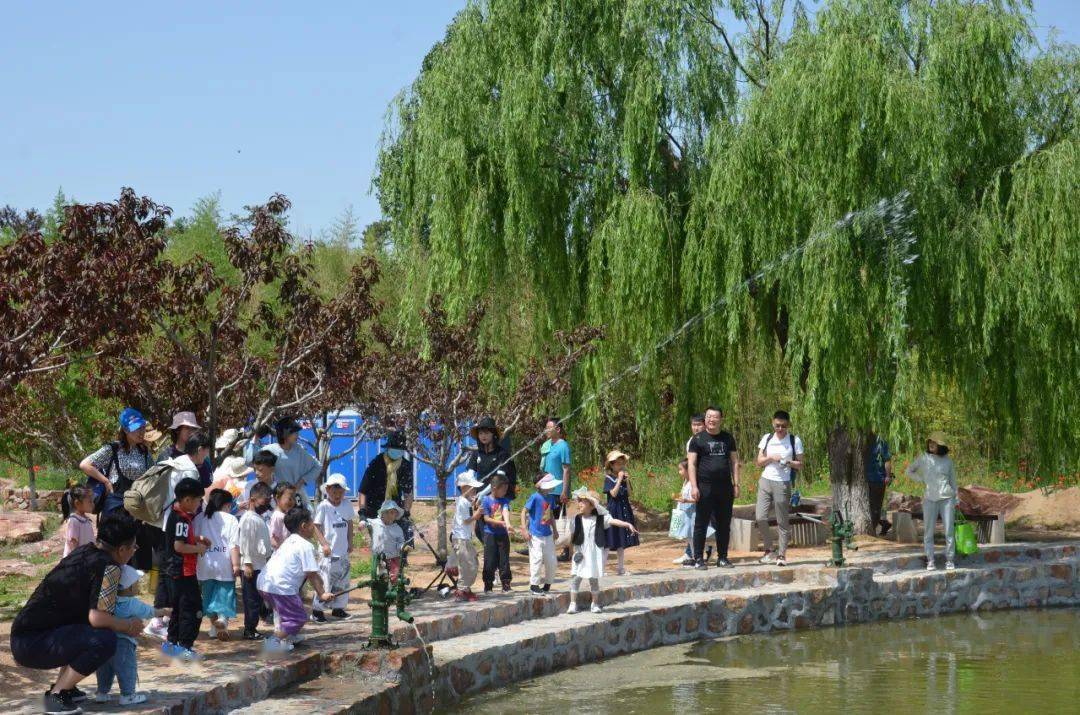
(1017,662)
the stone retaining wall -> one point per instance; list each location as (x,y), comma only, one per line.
(1010,577)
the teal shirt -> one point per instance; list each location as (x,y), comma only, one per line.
(557,456)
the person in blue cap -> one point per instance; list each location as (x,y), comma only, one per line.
(111,469)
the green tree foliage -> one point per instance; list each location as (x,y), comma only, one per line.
(633,163)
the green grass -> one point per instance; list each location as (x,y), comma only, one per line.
(14,590)
(359,566)
(47,476)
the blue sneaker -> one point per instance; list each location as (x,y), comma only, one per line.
(169,650)
(187,654)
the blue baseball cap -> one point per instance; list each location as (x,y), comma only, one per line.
(131,420)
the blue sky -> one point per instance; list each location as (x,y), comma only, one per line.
(180,100)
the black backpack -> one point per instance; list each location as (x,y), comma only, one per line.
(791,438)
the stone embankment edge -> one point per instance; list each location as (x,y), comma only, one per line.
(1039,577)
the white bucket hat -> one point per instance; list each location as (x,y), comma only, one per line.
(337,480)
(184,419)
(226,438)
(549,482)
(391,505)
(468,479)
(232,468)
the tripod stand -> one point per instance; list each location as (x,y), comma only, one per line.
(439,582)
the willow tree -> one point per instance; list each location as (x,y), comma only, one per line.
(641,163)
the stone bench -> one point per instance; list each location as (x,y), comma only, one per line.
(989,528)
(746,536)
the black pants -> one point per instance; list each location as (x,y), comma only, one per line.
(714,506)
(79,645)
(186,611)
(254,607)
(877,500)
(496,554)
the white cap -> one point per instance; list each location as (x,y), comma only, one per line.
(129,576)
(468,479)
(337,480)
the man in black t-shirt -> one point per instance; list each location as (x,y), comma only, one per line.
(713,466)
(68,623)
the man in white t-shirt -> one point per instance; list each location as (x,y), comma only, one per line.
(780,455)
(334,522)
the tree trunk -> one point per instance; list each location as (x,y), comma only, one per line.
(847,475)
(440,480)
(31,479)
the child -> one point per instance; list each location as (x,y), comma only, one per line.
(123,664)
(538,528)
(588,534)
(255,549)
(284,499)
(617,488)
(687,505)
(180,563)
(463,561)
(387,536)
(220,565)
(496,514)
(334,528)
(77,506)
(285,572)
(264,473)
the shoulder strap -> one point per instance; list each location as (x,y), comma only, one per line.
(767,438)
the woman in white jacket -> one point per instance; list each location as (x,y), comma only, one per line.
(936,470)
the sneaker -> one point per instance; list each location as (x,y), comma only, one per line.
(318,616)
(471,597)
(188,655)
(102,698)
(488,588)
(77,696)
(546,588)
(169,650)
(724,564)
(688,563)
(950,566)
(506,588)
(700,565)
(595,608)
(768,558)
(930,566)
(781,561)
(59,704)
(273,645)
(708,553)
(681,560)
(252,636)
(458,595)
(573,607)
(340,613)
(535,590)
(159,631)
(211,630)
(133,699)
(222,626)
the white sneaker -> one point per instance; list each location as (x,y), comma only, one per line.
(679,561)
(930,566)
(273,644)
(950,566)
(133,699)
(573,607)
(768,558)
(102,698)
(159,631)
(781,561)
(595,608)
(211,630)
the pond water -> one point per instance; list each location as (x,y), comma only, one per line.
(1003,662)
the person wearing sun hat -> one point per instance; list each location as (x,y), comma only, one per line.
(538,527)
(588,534)
(463,562)
(935,469)
(617,490)
(334,525)
(182,428)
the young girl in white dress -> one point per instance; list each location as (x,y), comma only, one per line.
(588,536)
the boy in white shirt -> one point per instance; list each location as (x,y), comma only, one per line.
(387,537)
(285,572)
(255,549)
(334,525)
(463,563)
(780,455)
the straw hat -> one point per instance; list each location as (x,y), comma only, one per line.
(615,454)
(153,436)
(938,437)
